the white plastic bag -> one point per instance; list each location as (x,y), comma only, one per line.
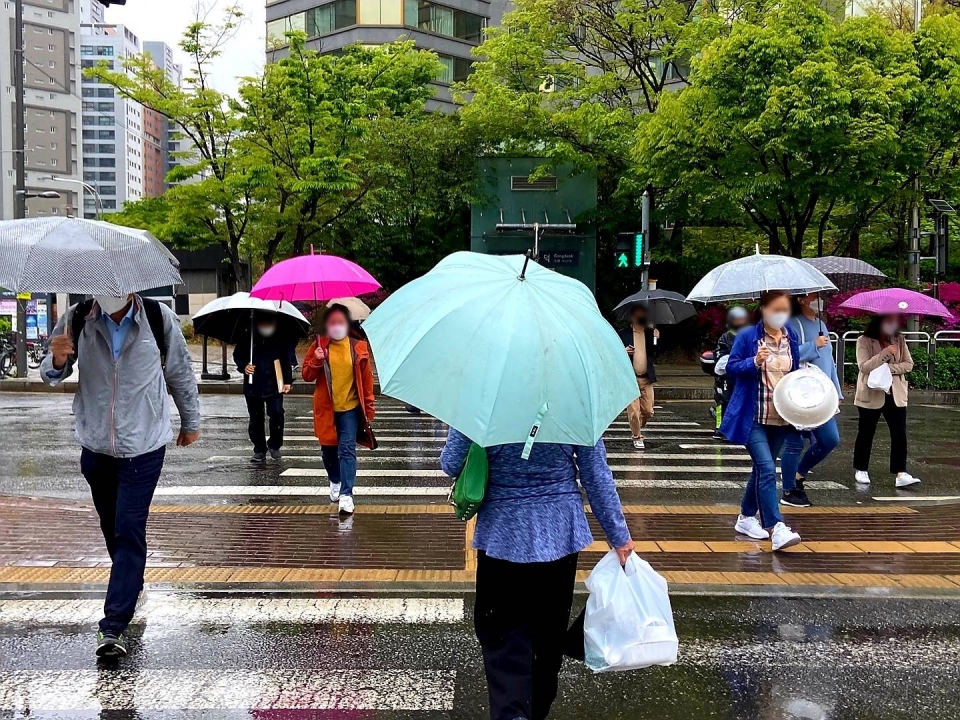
(721,367)
(628,622)
(881,378)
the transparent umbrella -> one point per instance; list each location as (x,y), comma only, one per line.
(748,277)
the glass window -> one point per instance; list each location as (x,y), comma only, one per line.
(105,50)
(107,148)
(88,92)
(108,177)
(89,148)
(89,176)
(332,16)
(108,189)
(380,12)
(104,120)
(455,69)
(89,134)
(106,92)
(107,162)
(106,135)
(104,106)
(443,20)
(109,204)
(87,120)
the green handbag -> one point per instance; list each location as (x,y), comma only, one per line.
(469,488)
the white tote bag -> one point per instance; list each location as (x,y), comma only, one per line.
(628,622)
(880,378)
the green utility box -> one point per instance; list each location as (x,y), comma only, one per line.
(556,203)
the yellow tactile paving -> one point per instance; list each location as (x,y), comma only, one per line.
(427,576)
(369,575)
(645,510)
(864,579)
(752,578)
(683,546)
(924,581)
(881,546)
(689,577)
(801,548)
(808,579)
(259,575)
(832,547)
(314,575)
(469,554)
(645,546)
(462,576)
(932,546)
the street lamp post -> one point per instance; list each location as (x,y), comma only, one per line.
(86,186)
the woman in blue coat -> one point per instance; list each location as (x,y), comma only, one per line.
(760,358)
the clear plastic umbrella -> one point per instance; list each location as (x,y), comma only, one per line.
(748,277)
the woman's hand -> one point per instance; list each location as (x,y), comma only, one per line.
(623,552)
(762,354)
(249,369)
(822,341)
(318,354)
(630,350)
(285,389)
(892,350)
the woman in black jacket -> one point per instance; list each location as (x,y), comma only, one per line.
(268,376)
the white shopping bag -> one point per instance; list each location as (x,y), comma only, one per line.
(881,378)
(628,622)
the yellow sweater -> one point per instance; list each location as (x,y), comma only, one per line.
(341,374)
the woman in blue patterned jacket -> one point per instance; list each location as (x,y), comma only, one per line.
(529,532)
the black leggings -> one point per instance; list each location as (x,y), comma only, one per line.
(521,615)
(896,419)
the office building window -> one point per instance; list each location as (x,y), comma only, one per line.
(87,120)
(109,204)
(106,92)
(443,20)
(89,134)
(455,69)
(105,120)
(106,162)
(107,148)
(108,177)
(380,12)
(108,189)
(89,176)
(315,21)
(106,135)
(89,148)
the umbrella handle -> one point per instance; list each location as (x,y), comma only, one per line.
(528,445)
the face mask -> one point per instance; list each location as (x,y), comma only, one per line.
(111,305)
(337,332)
(266,330)
(776,320)
(890,328)
(817,305)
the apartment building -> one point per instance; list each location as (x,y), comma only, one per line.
(51,31)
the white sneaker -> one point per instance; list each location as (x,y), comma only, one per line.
(638,444)
(750,527)
(862,477)
(906,480)
(346,504)
(783,537)
(334,492)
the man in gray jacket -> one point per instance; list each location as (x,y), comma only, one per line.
(122,414)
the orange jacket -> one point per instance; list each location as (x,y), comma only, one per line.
(317,371)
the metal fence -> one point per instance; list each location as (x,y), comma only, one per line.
(918,338)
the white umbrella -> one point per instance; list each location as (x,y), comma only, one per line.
(85,257)
(359,310)
(748,277)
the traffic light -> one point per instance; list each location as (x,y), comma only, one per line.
(630,249)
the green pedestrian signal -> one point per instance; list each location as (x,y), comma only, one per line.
(630,250)
(622,260)
(638,250)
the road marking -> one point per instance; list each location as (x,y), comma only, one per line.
(917,498)
(297,490)
(714,484)
(228,611)
(388,454)
(685,469)
(714,446)
(27,691)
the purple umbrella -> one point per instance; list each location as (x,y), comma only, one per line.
(896,301)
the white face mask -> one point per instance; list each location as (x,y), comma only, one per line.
(776,320)
(337,332)
(817,305)
(890,328)
(266,330)
(111,305)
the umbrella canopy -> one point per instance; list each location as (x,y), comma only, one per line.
(228,319)
(663,306)
(314,277)
(748,277)
(896,301)
(85,257)
(847,273)
(491,350)
(359,310)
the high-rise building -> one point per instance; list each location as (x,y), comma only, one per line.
(451,28)
(113,126)
(51,81)
(171,139)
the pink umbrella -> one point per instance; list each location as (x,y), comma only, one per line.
(314,277)
(896,301)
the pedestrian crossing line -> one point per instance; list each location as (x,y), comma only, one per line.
(390,454)
(668,484)
(188,610)
(684,469)
(299,490)
(154,689)
(445,509)
(715,446)
(412,436)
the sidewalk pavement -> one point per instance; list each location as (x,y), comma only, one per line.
(46,542)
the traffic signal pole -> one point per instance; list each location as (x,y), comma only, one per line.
(645,229)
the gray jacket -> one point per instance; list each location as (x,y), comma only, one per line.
(122,408)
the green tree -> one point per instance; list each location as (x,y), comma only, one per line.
(214,202)
(790,115)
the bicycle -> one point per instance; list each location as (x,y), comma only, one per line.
(8,357)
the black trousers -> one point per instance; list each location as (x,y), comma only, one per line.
(896,419)
(521,615)
(274,409)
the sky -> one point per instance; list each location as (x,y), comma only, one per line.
(166,21)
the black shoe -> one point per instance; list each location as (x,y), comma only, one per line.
(258,457)
(718,436)
(275,454)
(795,498)
(111,647)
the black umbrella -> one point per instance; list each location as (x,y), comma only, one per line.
(847,273)
(230,319)
(663,306)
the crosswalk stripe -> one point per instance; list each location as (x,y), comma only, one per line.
(298,490)
(404,435)
(668,484)
(28,691)
(686,469)
(238,611)
(390,454)
(714,446)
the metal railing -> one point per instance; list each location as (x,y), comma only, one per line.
(918,337)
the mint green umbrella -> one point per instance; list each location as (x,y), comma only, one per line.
(503,350)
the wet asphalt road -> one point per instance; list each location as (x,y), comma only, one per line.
(739,658)
(40,456)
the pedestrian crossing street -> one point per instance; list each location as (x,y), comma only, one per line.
(680,455)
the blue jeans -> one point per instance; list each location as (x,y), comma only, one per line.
(122,490)
(823,441)
(760,495)
(340,460)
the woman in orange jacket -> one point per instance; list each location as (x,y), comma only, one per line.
(343,401)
